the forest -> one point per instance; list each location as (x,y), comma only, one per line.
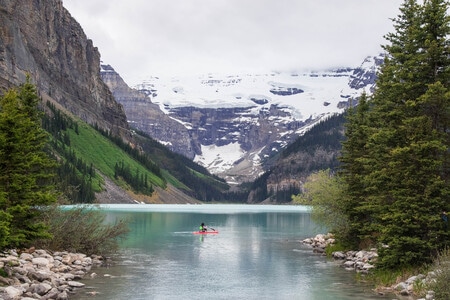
(392,188)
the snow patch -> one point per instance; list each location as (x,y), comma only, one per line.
(218,159)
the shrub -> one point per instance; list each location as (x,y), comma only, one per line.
(3,273)
(82,229)
(441,285)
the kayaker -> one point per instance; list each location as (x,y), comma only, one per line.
(203,227)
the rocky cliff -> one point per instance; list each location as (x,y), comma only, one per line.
(40,38)
(147,116)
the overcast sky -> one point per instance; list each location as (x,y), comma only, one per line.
(142,38)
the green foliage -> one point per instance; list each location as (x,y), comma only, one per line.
(334,248)
(138,181)
(353,170)
(99,151)
(26,170)
(3,273)
(442,270)
(81,229)
(326,134)
(142,158)
(395,161)
(323,192)
(194,179)
(5,221)
(85,152)
(383,277)
(77,180)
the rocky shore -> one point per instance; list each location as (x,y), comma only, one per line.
(39,274)
(363,261)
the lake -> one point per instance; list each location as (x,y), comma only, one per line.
(257,254)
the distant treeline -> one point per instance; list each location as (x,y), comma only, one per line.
(327,134)
(138,181)
(318,149)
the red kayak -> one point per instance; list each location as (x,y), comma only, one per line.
(205,232)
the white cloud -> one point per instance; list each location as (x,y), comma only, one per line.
(155,37)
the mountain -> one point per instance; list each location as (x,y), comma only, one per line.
(234,124)
(146,115)
(40,38)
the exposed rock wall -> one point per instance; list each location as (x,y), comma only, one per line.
(147,116)
(40,38)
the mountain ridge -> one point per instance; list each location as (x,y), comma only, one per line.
(233,124)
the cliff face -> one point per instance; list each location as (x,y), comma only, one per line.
(40,38)
(147,116)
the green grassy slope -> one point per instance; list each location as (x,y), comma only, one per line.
(94,148)
(86,148)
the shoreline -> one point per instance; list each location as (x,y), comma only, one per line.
(42,274)
(363,261)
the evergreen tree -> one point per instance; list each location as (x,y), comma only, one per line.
(397,177)
(26,170)
(353,170)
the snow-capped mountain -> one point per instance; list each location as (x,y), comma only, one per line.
(235,122)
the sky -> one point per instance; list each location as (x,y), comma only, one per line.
(142,38)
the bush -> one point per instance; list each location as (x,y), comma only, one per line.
(333,248)
(81,229)
(3,273)
(441,285)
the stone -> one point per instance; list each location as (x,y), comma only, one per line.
(40,275)
(52,294)
(34,278)
(67,259)
(19,270)
(349,263)
(26,256)
(42,288)
(75,284)
(67,276)
(401,286)
(13,292)
(62,296)
(40,261)
(339,255)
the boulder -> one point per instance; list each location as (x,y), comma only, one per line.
(42,288)
(13,292)
(75,284)
(40,261)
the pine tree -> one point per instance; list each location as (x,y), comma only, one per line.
(401,179)
(354,169)
(26,170)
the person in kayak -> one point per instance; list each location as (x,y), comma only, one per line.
(203,228)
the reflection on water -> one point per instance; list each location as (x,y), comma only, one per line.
(256,255)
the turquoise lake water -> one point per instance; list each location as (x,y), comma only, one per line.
(256,255)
